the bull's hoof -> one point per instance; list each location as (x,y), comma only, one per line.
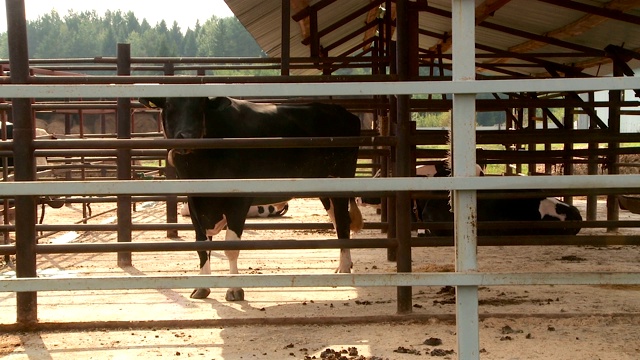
(342,271)
(235,294)
(200,293)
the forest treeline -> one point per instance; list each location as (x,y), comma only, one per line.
(88,34)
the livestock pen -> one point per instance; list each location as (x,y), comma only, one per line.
(468,279)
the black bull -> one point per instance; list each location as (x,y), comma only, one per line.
(223,117)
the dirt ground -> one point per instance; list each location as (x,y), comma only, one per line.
(534,322)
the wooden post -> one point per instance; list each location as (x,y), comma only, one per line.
(170,173)
(615,97)
(403,153)
(285,42)
(24,162)
(124,156)
(592,200)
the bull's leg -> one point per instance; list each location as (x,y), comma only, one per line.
(205,269)
(236,216)
(205,265)
(201,224)
(236,293)
(338,210)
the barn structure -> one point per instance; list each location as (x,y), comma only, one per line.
(526,58)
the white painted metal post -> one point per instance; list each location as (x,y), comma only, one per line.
(463,149)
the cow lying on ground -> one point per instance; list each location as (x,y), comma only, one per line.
(505,209)
(223,117)
(417,205)
(270,210)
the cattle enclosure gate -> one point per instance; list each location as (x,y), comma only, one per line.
(393,146)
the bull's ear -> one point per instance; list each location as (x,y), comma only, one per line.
(218,103)
(153,103)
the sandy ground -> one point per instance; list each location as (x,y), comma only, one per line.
(535,322)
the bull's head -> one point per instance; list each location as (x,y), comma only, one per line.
(182,118)
(185,118)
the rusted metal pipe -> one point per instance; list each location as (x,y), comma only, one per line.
(25,169)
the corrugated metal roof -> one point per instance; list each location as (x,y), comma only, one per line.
(541,18)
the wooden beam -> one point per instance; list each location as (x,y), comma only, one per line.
(517,54)
(345,20)
(296,7)
(541,38)
(308,10)
(547,64)
(612,10)
(363,30)
(579,26)
(597,61)
(483,11)
(390,14)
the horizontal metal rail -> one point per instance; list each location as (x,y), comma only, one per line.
(328,226)
(227,143)
(286,244)
(317,89)
(312,187)
(317,280)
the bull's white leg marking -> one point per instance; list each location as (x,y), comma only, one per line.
(332,214)
(202,293)
(548,207)
(206,269)
(344,266)
(232,255)
(184,209)
(345,261)
(233,294)
(218,227)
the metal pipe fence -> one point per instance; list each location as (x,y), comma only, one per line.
(464,187)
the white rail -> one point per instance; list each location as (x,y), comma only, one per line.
(316,280)
(319,89)
(313,186)
(463,84)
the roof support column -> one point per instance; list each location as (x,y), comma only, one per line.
(592,200)
(615,97)
(24,162)
(170,172)
(463,149)
(403,154)
(314,45)
(285,42)
(124,156)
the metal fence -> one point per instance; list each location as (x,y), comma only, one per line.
(464,185)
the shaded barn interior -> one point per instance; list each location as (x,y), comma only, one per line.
(560,133)
(546,134)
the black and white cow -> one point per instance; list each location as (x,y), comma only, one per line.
(255,211)
(421,171)
(430,170)
(223,117)
(270,210)
(505,209)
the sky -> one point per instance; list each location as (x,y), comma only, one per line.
(185,12)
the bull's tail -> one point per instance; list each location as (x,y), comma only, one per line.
(357,223)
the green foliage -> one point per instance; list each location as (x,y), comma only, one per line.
(87,34)
(431,120)
(436,119)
